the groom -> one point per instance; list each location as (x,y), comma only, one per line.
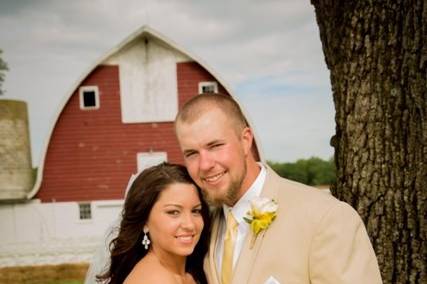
(307,236)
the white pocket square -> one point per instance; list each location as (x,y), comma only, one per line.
(271,280)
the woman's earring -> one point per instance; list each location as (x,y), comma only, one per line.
(145,240)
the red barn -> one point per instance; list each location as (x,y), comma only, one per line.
(117,121)
(120,119)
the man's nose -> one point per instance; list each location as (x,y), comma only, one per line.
(206,161)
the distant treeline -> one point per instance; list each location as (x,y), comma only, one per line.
(313,171)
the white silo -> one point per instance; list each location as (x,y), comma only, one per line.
(16,173)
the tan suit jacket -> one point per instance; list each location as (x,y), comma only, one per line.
(314,239)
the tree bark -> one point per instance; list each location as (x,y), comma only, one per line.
(376,52)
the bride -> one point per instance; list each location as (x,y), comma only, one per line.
(163,235)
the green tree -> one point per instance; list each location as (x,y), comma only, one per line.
(376,52)
(313,171)
(3,68)
(321,172)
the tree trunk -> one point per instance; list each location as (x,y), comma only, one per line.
(376,52)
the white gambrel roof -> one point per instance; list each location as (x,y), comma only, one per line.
(143,31)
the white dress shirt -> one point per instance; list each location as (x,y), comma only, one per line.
(239,210)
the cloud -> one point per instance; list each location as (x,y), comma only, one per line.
(268,51)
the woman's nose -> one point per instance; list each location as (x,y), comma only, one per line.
(188,221)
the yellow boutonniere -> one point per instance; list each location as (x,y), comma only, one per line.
(261,215)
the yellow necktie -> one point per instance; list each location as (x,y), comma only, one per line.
(227,257)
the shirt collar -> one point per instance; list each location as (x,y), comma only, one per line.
(243,205)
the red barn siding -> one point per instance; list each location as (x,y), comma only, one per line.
(91,153)
(189,76)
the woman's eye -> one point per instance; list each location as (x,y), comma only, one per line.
(197,211)
(173,212)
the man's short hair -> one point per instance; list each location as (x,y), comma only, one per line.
(198,105)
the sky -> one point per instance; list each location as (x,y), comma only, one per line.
(268,52)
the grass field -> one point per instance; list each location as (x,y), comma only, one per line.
(44,274)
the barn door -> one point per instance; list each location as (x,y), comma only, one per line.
(148,159)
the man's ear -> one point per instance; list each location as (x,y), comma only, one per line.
(247,140)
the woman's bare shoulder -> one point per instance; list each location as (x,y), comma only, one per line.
(147,271)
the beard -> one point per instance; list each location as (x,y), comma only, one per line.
(231,195)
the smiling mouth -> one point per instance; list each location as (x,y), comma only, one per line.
(185,238)
(213,178)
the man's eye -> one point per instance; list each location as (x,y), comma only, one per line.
(190,154)
(217,145)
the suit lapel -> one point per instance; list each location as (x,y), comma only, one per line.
(249,254)
(247,259)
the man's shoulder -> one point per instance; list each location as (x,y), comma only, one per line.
(301,197)
(309,208)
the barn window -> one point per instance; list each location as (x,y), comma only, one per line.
(85,211)
(89,97)
(208,87)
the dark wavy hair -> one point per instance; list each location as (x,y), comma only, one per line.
(126,249)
